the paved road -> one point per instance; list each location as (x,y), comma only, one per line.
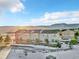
(19,54)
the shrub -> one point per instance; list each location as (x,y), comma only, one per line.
(47,41)
(53,45)
(58,44)
(73,41)
(50,57)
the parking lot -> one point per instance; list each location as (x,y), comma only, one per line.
(31,53)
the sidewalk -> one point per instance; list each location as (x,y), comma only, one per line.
(4,52)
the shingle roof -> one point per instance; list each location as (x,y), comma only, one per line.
(36,31)
(50,31)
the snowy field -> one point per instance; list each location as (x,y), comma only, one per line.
(32,53)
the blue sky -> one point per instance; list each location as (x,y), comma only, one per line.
(38,12)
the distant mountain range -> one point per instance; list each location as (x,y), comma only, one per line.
(50,27)
(64,26)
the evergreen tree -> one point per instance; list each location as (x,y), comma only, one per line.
(7,39)
(76,34)
(1,39)
(47,41)
(58,44)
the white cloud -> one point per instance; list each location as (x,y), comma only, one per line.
(61,15)
(11,5)
(56,17)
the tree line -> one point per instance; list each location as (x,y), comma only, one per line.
(5,39)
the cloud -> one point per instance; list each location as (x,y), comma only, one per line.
(11,5)
(49,18)
(61,15)
(56,17)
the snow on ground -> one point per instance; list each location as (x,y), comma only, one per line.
(69,54)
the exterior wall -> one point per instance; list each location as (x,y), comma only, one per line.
(43,36)
(54,37)
(24,36)
(50,37)
(67,34)
(12,36)
(34,36)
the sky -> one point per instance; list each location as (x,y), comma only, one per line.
(38,12)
